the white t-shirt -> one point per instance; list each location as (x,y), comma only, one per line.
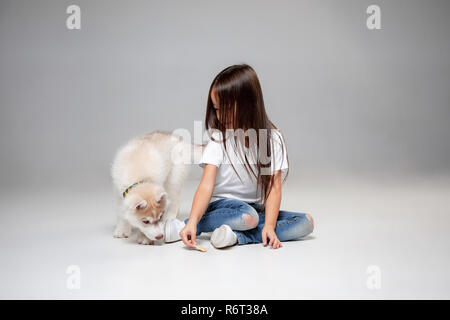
(227,183)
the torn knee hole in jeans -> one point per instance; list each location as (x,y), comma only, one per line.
(249,220)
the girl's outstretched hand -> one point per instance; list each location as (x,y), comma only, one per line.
(188,234)
(269,233)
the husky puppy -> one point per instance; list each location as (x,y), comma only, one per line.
(148,175)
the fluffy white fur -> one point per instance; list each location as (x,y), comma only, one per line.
(163,160)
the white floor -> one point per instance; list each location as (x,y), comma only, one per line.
(400,226)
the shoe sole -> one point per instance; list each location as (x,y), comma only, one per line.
(168,235)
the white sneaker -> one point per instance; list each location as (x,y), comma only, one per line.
(172,230)
(223,237)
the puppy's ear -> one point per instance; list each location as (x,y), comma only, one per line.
(141,205)
(135,202)
(160,196)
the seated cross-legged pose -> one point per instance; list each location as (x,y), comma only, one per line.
(238,198)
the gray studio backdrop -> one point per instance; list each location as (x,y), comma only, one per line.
(350,101)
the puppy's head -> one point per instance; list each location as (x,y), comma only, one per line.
(146,203)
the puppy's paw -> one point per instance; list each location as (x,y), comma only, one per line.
(121,233)
(142,239)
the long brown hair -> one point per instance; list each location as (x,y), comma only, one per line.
(241,106)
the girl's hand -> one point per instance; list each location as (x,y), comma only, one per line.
(188,234)
(269,232)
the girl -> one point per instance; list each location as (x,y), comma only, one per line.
(239,195)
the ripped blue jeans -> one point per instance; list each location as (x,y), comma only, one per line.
(247,221)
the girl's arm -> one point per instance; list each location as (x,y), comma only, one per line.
(203,194)
(272,210)
(199,204)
